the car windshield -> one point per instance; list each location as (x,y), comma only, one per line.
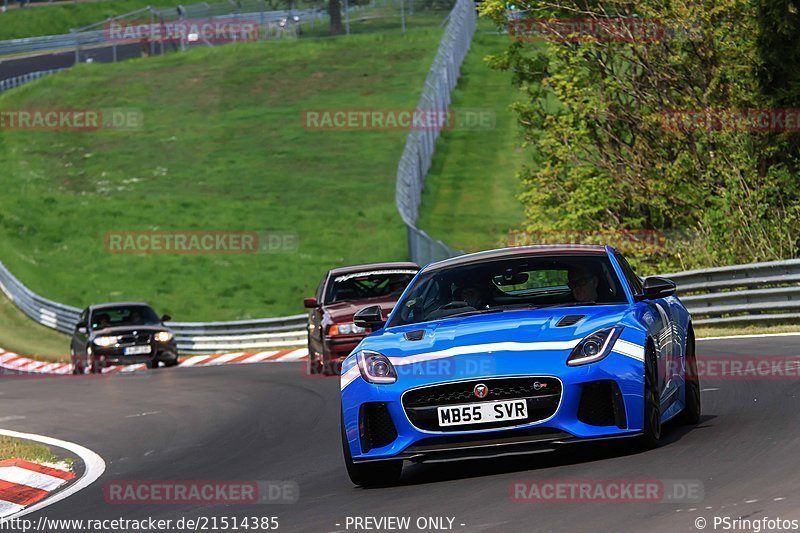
(124,315)
(368,284)
(508,284)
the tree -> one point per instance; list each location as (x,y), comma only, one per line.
(631,115)
(335,12)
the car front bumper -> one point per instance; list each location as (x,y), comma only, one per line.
(568,422)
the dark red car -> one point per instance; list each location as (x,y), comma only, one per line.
(331,332)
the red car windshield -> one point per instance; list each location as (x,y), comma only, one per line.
(368,284)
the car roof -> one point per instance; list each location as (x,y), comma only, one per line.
(521,251)
(116,304)
(372,266)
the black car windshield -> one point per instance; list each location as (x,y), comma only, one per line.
(124,315)
(368,284)
(508,284)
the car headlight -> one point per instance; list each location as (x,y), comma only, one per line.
(345,329)
(163,336)
(105,342)
(375,368)
(594,347)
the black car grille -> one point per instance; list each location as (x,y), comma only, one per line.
(601,404)
(542,394)
(129,338)
(376,427)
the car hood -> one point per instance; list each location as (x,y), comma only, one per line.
(519,326)
(344,311)
(122,330)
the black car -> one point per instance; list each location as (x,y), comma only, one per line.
(122,333)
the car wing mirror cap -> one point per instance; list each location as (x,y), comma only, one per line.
(656,287)
(310,303)
(369,317)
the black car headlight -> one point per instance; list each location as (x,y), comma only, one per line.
(594,347)
(163,336)
(375,367)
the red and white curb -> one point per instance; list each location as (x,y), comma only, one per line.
(12,361)
(23,483)
(26,487)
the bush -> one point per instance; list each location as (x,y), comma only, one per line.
(610,119)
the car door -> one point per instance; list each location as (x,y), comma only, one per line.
(663,332)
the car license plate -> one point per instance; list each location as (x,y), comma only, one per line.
(136,350)
(482,413)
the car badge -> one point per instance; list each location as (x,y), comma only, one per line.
(539,386)
(481,390)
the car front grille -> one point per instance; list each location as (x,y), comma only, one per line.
(542,394)
(130,339)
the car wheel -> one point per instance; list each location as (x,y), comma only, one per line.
(692,410)
(313,363)
(328,368)
(375,474)
(77,369)
(651,436)
(94,365)
(169,361)
(152,363)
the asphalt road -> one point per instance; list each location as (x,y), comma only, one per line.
(273,422)
(17,66)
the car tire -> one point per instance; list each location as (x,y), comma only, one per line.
(152,363)
(652,427)
(77,370)
(172,361)
(94,365)
(313,364)
(377,474)
(328,367)
(692,409)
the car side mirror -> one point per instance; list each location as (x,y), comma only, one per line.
(310,303)
(655,287)
(166,318)
(80,327)
(369,317)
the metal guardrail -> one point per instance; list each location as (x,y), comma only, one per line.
(421,143)
(192,337)
(96,34)
(16,81)
(753,293)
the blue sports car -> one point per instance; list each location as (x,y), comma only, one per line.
(516,351)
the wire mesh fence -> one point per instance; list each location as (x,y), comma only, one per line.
(421,143)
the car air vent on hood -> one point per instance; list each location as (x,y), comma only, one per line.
(415,335)
(569,320)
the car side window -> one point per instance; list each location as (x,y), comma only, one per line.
(633,280)
(318,296)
